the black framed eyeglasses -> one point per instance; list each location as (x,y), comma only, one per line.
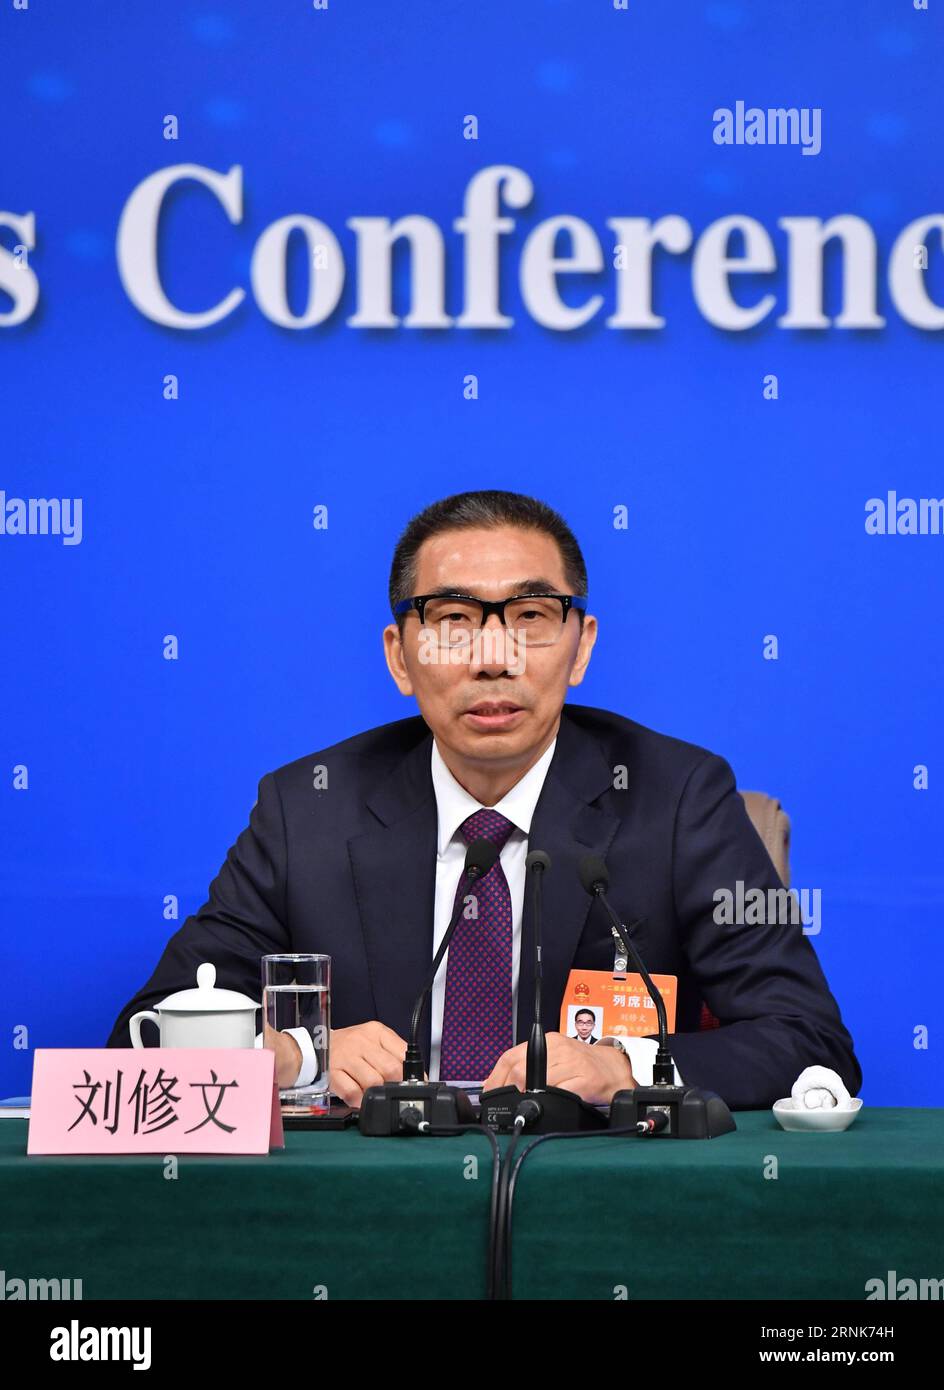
(453,619)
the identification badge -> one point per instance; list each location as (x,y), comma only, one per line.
(595,1004)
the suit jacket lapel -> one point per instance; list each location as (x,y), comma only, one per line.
(568,826)
(394,869)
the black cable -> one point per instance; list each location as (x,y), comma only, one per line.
(503,1274)
(497,1281)
(493,1213)
(505,1173)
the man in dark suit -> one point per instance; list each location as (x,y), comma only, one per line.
(356,851)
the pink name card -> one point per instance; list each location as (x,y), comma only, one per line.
(166,1100)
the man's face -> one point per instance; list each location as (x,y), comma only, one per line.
(584,1025)
(486,709)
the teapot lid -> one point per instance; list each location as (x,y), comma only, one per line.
(206,998)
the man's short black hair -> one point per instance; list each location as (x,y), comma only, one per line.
(585,1011)
(464,511)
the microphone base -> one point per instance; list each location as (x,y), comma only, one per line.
(389,1109)
(560,1110)
(693,1113)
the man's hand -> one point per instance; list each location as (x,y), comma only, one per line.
(288,1055)
(366,1055)
(595,1073)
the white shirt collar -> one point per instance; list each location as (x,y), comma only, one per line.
(454,803)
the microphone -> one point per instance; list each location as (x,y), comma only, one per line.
(479,859)
(662,1109)
(539,1107)
(399,1107)
(595,878)
(537,864)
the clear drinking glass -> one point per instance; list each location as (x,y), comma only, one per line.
(296,998)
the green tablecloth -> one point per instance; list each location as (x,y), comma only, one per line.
(406,1218)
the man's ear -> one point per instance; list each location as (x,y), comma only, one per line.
(396,662)
(584,647)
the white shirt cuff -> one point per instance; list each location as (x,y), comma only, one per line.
(642,1056)
(309,1067)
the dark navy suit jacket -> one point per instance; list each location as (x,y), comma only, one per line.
(349,869)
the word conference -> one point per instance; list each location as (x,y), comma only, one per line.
(557,247)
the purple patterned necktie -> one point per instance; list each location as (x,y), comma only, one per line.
(477,1017)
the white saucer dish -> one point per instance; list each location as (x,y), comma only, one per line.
(794,1117)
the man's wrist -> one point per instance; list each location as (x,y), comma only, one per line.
(642,1054)
(294,1048)
(616,1045)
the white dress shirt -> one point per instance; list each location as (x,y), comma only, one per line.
(453,806)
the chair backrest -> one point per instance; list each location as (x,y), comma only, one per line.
(773,826)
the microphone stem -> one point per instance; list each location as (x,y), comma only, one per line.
(536,1067)
(663,1056)
(413,1068)
(538,963)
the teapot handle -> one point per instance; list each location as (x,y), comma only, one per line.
(134,1025)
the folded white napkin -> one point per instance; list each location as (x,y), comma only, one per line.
(818,1088)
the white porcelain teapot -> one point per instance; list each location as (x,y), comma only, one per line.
(201,1017)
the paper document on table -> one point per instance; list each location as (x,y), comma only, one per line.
(471,1088)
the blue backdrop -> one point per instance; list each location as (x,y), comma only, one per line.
(745,515)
